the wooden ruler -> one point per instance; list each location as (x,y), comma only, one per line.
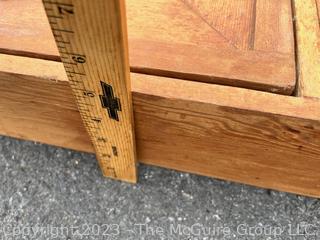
(92,40)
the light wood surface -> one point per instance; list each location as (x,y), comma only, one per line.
(308,39)
(245,43)
(273,19)
(247,136)
(92,40)
(25,31)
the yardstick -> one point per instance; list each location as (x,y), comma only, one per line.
(92,40)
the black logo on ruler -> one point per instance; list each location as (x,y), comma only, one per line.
(108,101)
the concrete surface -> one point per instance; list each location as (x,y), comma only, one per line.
(54,193)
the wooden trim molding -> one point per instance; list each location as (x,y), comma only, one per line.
(308,47)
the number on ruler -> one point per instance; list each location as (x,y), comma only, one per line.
(79,59)
(88,94)
(102,139)
(115,151)
(68,9)
(97,120)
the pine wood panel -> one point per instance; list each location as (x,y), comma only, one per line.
(43,101)
(245,43)
(224,132)
(24,30)
(272,18)
(233,24)
(308,40)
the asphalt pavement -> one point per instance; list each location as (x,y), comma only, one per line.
(48,192)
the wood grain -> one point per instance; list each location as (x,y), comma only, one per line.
(211,41)
(24,30)
(40,112)
(246,136)
(272,18)
(308,39)
(234,23)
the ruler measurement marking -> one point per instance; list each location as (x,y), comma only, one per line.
(65,42)
(71,53)
(62,30)
(75,82)
(100,109)
(76,73)
(68,67)
(54,16)
(57,35)
(58,3)
(71,63)
(74,54)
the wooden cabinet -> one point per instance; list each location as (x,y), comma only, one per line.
(209,78)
